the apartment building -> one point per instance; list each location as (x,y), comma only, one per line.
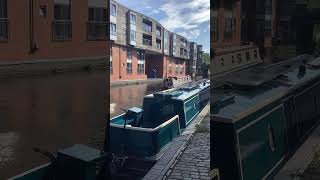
(143,48)
(192,63)
(57,32)
(225,23)
(199,60)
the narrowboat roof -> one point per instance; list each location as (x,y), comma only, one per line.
(184,92)
(237,99)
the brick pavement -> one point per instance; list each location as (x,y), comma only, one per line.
(194,162)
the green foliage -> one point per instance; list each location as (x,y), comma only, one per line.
(206,58)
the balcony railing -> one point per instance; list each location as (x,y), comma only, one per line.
(62,30)
(146,27)
(97,30)
(4,29)
(147,42)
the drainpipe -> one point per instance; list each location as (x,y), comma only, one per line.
(120,63)
(33,45)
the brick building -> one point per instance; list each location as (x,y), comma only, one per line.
(57,33)
(143,48)
(235,22)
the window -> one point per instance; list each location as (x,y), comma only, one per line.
(228,28)
(222,62)
(140,55)
(177,67)
(132,35)
(146,40)
(248,56)
(255,54)
(133,19)
(214,26)
(129,61)
(113,29)
(4,21)
(97,24)
(147,25)
(239,58)
(158,44)
(158,31)
(113,10)
(111,66)
(181,68)
(62,26)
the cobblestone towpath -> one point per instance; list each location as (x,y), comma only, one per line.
(194,162)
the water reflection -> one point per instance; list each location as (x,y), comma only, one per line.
(129,96)
(51,112)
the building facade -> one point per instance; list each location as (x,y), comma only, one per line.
(236,23)
(142,48)
(56,31)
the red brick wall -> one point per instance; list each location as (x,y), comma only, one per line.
(236,35)
(166,66)
(119,63)
(18,46)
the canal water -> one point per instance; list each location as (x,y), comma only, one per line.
(128,96)
(51,113)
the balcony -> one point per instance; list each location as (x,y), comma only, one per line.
(62,30)
(147,42)
(4,30)
(97,30)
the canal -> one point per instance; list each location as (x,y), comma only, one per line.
(128,96)
(51,113)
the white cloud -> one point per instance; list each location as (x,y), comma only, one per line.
(186,15)
(155,11)
(191,35)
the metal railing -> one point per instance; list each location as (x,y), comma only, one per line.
(147,42)
(4,29)
(97,30)
(62,30)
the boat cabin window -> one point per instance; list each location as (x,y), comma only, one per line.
(239,58)
(222,62)
(255,54)
(248,56)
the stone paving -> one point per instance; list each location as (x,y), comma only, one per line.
(194,162)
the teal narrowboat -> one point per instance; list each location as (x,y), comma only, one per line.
(261,115)
(144,132)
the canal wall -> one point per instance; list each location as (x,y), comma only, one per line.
(138,81)
(52,66)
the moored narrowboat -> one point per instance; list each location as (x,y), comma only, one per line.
(261,115)
(144,132)
(172,82)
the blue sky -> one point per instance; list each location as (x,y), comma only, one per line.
(189,18)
